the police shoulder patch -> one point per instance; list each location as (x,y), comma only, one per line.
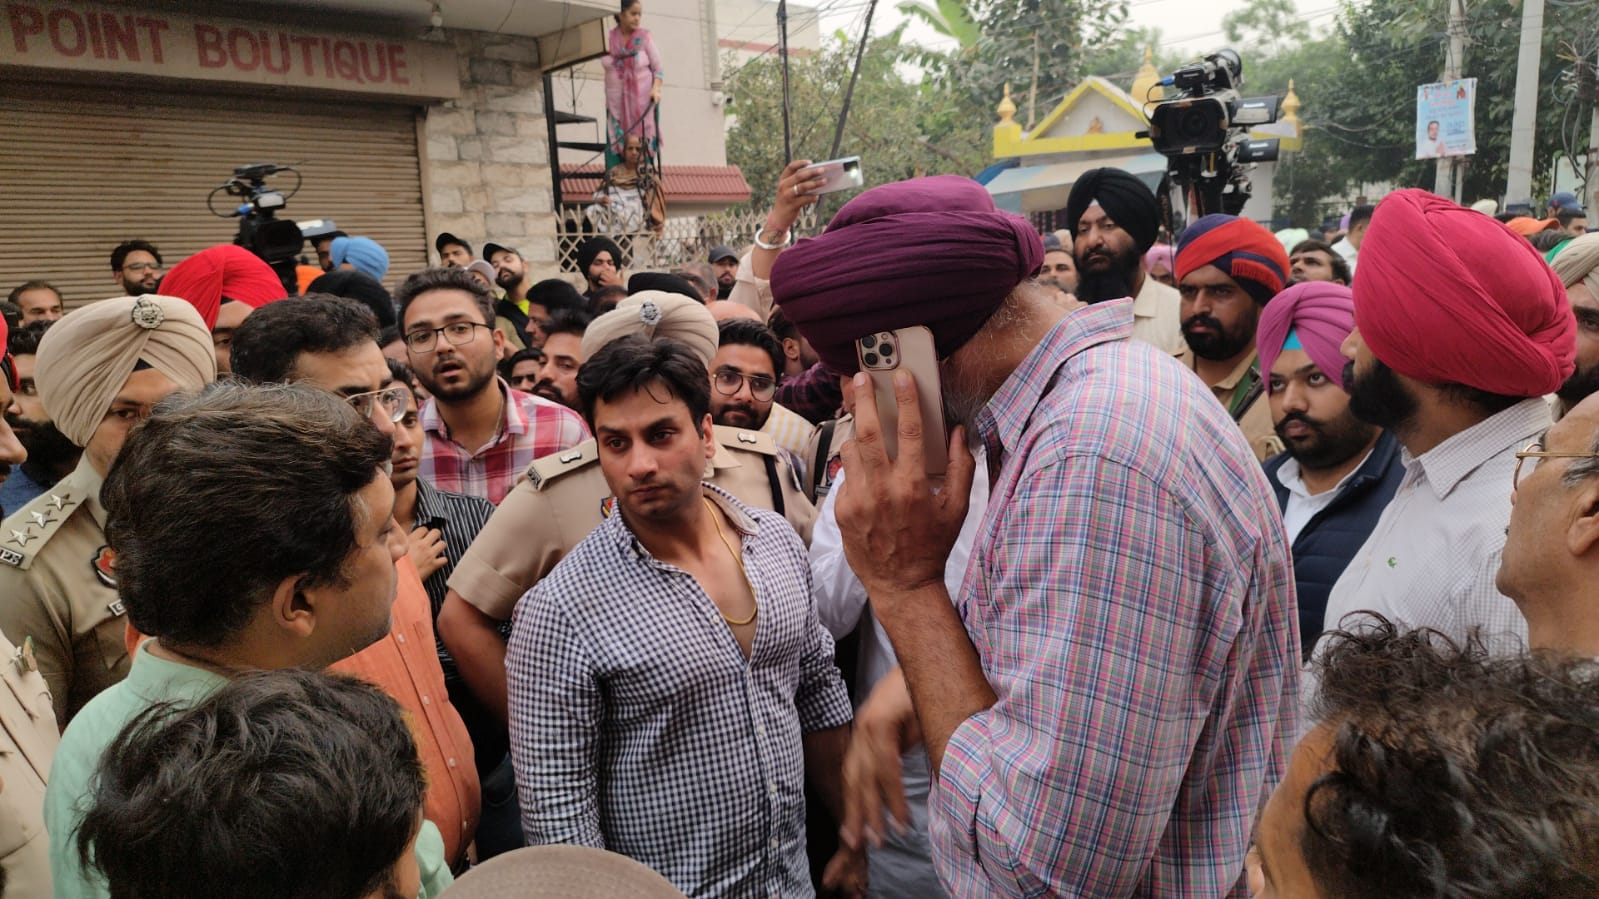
(541,471)
(25,533)
(741,439)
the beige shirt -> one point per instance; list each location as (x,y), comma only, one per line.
(56,587)
(1256,420)
(28,739)
(563,496)
(1157,317)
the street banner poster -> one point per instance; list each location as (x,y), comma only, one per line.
(1444,119)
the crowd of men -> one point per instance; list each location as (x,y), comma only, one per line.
(1246,570)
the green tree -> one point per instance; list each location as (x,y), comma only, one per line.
(1266,26)
(1018,37)
(899,128)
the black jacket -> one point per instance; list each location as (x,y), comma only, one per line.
(1332,537)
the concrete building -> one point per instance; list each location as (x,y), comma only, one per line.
(403,118)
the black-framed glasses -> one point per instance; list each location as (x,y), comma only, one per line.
(729,381)
(392,399)
(1534,450)
(142,267)
(424,340)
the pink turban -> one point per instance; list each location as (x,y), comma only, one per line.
(223,271)
(1447,295)
(1322,313)
(929,251)
(1161,254)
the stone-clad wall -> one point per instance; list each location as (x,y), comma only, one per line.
(487,169)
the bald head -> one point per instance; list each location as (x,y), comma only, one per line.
(723,310)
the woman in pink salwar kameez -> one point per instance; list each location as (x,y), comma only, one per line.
(633,78)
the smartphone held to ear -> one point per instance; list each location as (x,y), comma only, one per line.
(841,174)
(910,350)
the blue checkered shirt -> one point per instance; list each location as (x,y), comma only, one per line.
(638,726)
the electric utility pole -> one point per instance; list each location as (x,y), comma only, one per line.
(1524,117)
(1454,63)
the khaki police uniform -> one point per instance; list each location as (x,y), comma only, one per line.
(1243,393)
(56,588)
(824,455)
(28,739)
(563,496)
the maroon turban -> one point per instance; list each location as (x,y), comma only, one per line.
(224,271)
(929,251)
(1447,295)
(1320,313)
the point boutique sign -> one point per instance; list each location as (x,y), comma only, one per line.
(86,37)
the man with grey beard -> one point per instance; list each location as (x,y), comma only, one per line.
(1146,683)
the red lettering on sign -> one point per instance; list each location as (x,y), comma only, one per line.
(371,55)
(345,63)
(57,39)
(208,40)
(26,22)
(153,29)
(96,42)
(397,64)
(306,45)
(242,47)
(280,64)
(120,37)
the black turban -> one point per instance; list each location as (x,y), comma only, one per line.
(359,286)
(662,281)
(594,246)
(555,293)
(1128,202)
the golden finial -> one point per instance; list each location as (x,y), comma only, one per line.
(1291,104)
(1007,109)
(1146,84)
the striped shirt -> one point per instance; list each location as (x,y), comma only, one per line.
(532,427)
(638,726)
(1131,598)
(1432,559)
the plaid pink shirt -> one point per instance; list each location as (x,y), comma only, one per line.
(533,427)
(1131,597)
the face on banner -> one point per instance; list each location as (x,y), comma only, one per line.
(1444,117)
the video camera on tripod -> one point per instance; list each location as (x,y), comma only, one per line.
(1203,132)
(260,231)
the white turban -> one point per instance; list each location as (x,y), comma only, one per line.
(1577,262)
(86,357)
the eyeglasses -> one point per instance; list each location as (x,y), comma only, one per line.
(1534,450)
(457,333)
(142,267)
(392,398)
(729,381)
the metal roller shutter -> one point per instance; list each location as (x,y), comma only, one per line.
(81,171)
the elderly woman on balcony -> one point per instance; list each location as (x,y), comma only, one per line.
(629,199)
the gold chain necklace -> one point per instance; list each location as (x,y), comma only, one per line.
(716,519)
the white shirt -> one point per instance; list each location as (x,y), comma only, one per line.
(1158,316)
(902,868)
(1347,250)
(840,597)
(1433,556)
(1302,504)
